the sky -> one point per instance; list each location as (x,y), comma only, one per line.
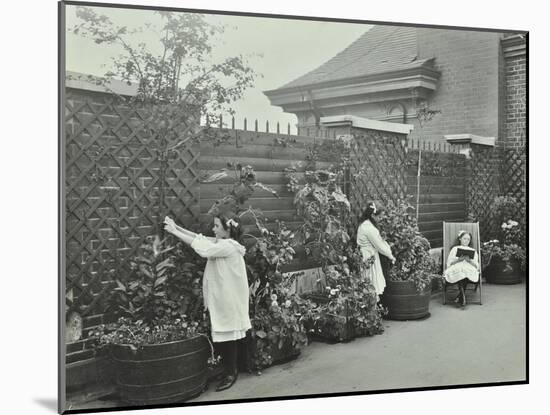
(288,49)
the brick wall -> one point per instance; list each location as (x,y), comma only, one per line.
(515,81)
(468,90)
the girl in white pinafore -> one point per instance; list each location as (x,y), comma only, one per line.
(462,269)
(371,244)
(225,287)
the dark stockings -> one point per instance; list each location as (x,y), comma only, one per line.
(461,298)
(228,352)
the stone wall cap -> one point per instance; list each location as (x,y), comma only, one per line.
(360,122)
(470,138)
(93,83)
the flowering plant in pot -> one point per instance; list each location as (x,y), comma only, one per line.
(277,313)
(408,281)
(504,259)
(346,307)
(160,352)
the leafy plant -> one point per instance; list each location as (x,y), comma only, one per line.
(277,329)
(505,252)
(244,186)
(511,214)
(399,227)
(325,210)
(277,313)
(348,306)
(511,243)
(152,301)
(183,69)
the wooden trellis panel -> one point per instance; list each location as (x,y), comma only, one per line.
(113,181)
(514,173)
(377,169)
(483,187)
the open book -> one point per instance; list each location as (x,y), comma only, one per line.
(465,252)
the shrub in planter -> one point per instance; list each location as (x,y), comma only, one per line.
(278,333)
(160,354)
(408,281)
(504,259)
(347,308)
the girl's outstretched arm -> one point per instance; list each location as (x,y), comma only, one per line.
(168,220)
(170,227)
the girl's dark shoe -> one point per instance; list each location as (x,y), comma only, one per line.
(227,382)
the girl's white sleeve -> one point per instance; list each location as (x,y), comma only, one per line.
(208,249)
(381,245)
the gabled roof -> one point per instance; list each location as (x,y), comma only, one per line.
(381,49)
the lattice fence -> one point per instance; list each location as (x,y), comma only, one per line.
(483,187)
(377,168)
(514,173)
(118,186)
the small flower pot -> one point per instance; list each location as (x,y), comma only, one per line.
(405,302)
(161,373)
(501,272)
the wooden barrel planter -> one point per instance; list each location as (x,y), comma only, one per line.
(161,373)
(497,272)
(404,302)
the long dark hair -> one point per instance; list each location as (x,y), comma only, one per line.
(368,213)
(461,234)
(233,225)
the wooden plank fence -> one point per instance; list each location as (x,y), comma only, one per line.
(438,188)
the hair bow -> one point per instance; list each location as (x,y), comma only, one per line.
(231,222)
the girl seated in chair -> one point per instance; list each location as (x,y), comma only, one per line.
(460,267)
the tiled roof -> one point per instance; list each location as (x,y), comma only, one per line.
(381,49)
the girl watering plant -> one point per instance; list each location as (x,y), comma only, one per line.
(372,244)
(225,287)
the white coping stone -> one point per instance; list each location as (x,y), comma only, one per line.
(80,81)
(367,123)
(470,138)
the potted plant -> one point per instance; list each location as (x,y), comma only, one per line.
(278,332)
(409,280)
(160,353)
(504,258)
(346,307)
